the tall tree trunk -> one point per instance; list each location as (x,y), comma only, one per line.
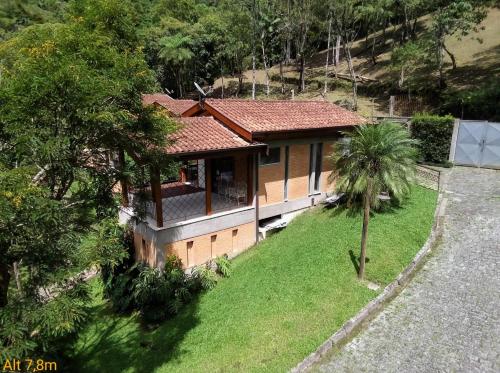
(364,235)
(240,83)
(325,88)
(4,284)
(374,42)
(347,51)
(414,28)
(288,51)
(222,81)
(17,276)
(253,75)
(282,80)
(337,53)
(452,56)
(264,59)
(253,49)
(404,34)
(440,57)
(302,86)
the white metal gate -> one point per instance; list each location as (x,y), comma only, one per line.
(477,143)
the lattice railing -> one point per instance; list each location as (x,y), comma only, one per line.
(428,177)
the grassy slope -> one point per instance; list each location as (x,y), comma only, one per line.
(477,62)
(285,297)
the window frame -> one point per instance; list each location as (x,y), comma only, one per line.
(315,165)
(262,161)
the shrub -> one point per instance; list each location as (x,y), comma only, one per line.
(159,294)
(479,103)
(223,266)
(434,134)
(205,276)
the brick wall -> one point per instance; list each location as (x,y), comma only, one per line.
(144,250)
(326,168)
(271,181)
(271,177)
(200,249)
(298,171)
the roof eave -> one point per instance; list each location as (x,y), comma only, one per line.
(252,148)
(258,135)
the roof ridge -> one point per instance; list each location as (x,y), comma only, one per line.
(268,100)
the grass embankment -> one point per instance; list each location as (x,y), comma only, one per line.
(284,298)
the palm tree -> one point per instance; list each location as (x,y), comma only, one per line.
(176,53)
(376,159)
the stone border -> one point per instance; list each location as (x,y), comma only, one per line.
(351,326)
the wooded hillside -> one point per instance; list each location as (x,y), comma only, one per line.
(376,48)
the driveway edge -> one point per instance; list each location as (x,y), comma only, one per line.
(351,326)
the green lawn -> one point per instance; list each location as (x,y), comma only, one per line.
(284,298)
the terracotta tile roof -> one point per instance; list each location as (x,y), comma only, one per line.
(204,134)
(176,107)
(273,116)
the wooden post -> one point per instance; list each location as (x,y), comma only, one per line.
(123,181)
(391,106)
(249,180)
(156,193)
(208,186)
(183,175)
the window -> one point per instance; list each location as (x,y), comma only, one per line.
(315,157)
(271,157)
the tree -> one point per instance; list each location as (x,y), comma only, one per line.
(408,58)
(17,14)
(304,16)
(176,53)
(37,239)
(347,23)
(70,96)
(378,158)
(457,17)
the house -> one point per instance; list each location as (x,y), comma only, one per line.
(243,162)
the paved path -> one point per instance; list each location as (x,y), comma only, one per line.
(448,318)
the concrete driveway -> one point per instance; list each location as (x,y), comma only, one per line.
(448,317)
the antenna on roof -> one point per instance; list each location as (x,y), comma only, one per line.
(202,95)
(200,90)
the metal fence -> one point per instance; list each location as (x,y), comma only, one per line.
(186,198)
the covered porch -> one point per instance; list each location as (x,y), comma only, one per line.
(216,173)
(204,187)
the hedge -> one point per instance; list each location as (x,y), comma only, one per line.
(434,134)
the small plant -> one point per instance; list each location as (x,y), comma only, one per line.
(205,276)
(223,265)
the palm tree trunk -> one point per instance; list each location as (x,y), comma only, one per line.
(364,236)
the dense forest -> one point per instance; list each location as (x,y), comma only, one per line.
(71,78)
(193,40)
